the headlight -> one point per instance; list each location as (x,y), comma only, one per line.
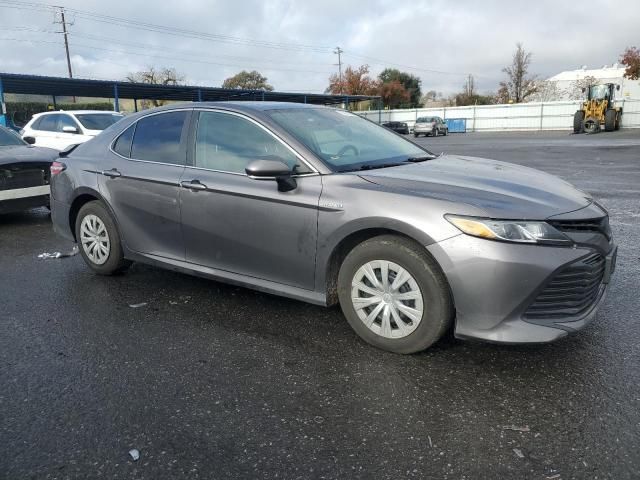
(509,230)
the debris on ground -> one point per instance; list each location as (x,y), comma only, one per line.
(518,453)
(135,454)
(46,255)
(516,428)
(138,305)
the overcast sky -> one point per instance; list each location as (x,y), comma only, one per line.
(291,42)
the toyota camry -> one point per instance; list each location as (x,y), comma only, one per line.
(320,205)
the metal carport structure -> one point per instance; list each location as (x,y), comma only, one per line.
(74,87)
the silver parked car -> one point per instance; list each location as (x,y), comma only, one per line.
(320,205)
(433,126)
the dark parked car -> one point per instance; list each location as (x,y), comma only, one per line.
(323,206)
(399,127)
(24,173)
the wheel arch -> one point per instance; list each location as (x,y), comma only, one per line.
(346,239)
(83,196)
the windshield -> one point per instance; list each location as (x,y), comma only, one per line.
(8,138)
(98,121)
(345,141)
(598,92)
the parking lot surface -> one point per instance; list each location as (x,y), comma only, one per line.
(212,381)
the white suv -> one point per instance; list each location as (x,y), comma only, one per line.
(59,129)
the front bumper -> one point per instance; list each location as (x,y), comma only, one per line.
(494,284)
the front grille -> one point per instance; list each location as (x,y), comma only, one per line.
(572,291)
(22,178)
(595,225)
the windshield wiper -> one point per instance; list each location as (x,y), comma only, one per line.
(383,165)
(419,159)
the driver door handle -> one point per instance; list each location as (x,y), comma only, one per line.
(113,173)
(193,185)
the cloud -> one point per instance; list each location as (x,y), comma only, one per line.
(456,37)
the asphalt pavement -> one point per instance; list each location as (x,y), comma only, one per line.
(213,381)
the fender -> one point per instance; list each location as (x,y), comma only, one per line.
(327,245)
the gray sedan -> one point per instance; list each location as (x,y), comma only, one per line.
(320,205)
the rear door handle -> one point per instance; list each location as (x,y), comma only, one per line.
(193,185)
(113,173)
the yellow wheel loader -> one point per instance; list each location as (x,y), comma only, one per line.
(598,109)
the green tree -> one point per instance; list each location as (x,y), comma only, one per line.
(411,84)
(248,81)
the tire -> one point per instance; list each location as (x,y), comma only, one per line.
(427,286)
(445,132)
(95,222)
(434,132)
(578,118)
(610,120)
(415,135)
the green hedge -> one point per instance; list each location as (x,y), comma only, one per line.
(19,113)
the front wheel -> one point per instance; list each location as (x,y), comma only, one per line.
(98,239)
(394,295)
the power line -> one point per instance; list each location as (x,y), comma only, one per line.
(180,59)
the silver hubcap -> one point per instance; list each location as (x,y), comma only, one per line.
(387,299)
(95,239)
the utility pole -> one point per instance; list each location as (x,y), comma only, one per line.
(338,51)
(65,33)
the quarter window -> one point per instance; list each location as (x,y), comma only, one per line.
(157,138)
(228,143)
(48,123)
(122,145)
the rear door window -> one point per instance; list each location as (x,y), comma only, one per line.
(158,138)
(48,123)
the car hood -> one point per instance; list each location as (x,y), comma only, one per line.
(500,189)
(26,153)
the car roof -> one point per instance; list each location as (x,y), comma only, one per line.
(241,106)
(75,112)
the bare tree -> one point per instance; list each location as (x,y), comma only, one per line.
(519,84)
(469,88)
(547,91)
(577,88)
(163,76)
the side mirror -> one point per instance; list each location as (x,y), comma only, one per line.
(618,87)
(272,170)
(69,129)
(584,89)
(30,140)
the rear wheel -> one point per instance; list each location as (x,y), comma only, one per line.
(578,118)
(394,295)
(415,134)
(98,239)
(434,132)
(610,120)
